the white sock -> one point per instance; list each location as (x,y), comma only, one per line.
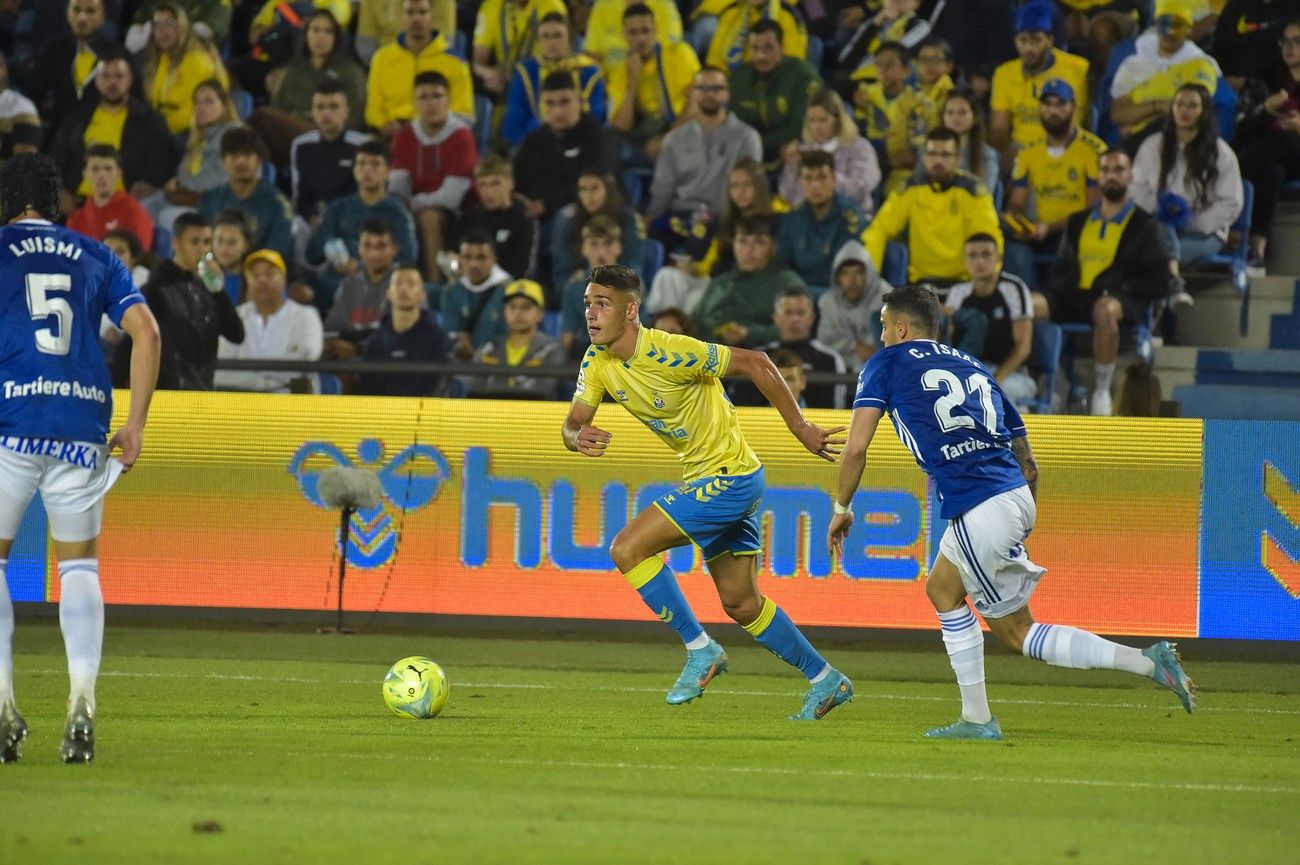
(826,671)
(6,637)
(1104,372)
(965,644)
(699,642)
(81,616)
(1063,646)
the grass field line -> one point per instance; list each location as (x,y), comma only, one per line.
(733,692)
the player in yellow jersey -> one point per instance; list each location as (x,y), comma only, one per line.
(672,384)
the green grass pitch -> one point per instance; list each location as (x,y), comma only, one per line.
(261,745)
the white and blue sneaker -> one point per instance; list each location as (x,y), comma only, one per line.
(702,667)
(963,729)
(1169,673)
(824,696)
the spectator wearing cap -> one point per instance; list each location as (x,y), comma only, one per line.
(275,328)
(406,333)
(1053,178)
(524,347)
(1164,59)
(1017,84)
(270,217)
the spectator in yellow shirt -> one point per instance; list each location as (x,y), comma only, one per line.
(1017,84)
(504,34)
(919,109)
(1054,178)
(938,209)
(390,87)
(649,91)
(379,22)
(604,39)
(176,62)
(730,44)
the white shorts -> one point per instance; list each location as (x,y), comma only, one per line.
(987,545)
(72,488)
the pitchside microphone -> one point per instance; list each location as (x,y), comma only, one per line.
(350,490)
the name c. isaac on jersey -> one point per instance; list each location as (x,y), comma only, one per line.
(951,452)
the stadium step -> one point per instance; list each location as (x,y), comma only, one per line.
(1223,401)
(1213,321)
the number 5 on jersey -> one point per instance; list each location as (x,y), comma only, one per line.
(43,301)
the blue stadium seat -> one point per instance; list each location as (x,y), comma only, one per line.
(894,267)
(1235,259)
(162,243)
(483,122)
(701,34)
(652,252)
(330,384)
(816,47)
(268,171)
(460,45)
(998,192)
(635,183)
(243,102)
(1143,346)
(1047,357)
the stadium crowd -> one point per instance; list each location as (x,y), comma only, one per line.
(429,180)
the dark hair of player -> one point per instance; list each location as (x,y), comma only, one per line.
(919,304)
(30,181)
(618,277)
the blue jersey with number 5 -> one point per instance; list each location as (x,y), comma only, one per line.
(55,284)
(950,413)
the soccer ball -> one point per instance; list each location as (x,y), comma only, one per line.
(416,687)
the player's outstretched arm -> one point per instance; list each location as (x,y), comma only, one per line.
(1028,466)
(146,346)
(861,430)
(580,435)
(763,373)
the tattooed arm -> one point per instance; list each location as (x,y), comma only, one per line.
(1028,467)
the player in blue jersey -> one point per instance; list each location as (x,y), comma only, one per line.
(673,385)
(55,407)
(950,413)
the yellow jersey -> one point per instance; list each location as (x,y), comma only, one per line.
(665,82)
(1017,94)
(673,385)
(730,41)
(1098,243)
(509,31)
(1059,181)
(171,92)
(605,40)
(390,86)
(105,127)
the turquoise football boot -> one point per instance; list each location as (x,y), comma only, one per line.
(824,696)
(1169,673)
(702,667)
(963,729)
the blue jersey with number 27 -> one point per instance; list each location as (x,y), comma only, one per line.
(55,284)
(948,410)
